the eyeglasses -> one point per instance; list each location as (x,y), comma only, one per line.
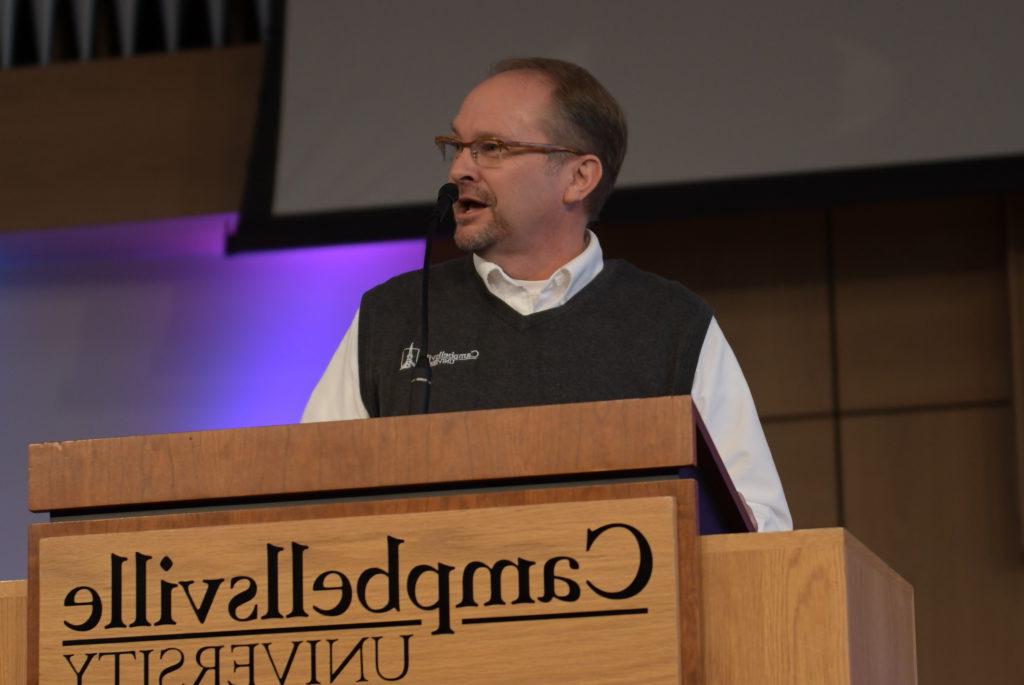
(490,151)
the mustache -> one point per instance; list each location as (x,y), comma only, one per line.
(477,193)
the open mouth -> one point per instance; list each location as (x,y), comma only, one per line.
(467,206)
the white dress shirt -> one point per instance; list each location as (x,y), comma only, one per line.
(719,392)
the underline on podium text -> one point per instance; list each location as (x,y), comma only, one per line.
(548,617)
(240,633)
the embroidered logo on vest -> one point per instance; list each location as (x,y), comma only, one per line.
(411,355)
(443,357)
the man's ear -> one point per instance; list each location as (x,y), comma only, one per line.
(587,172)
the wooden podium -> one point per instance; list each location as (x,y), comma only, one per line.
(541,544)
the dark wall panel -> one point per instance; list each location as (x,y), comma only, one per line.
(932,493)
(921,303)
(765,276)
(805,454)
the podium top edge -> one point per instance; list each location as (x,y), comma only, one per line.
(335,457)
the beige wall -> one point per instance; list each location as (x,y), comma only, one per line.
(883,342)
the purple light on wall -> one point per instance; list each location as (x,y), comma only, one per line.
(278,338)
(148,327)
(161,238)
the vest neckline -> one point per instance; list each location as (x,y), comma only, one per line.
(523,322)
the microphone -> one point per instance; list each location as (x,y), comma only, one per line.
(446,197)
(419,396)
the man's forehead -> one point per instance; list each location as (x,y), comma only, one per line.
(508,104)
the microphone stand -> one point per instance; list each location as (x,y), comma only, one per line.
(419,396)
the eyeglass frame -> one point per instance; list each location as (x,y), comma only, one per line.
(510,146)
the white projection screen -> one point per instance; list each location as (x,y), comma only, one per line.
(712,91)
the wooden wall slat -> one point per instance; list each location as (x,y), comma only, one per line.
(151,137)
(921,303)
(931,493)
(804,452)
(765,276)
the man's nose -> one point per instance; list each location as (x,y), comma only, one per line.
(463,167)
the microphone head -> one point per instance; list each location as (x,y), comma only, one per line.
(449,192)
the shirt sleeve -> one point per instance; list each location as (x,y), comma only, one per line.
(722,397)
(337,397)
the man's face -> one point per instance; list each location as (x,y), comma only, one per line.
(507,208)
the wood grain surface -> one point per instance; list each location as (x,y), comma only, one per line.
(880,614)
(811,606)
(764,274)
(805,455)
(113,140)
(963,559)
(682,492)
(13,631)
(343,456)
(920,298)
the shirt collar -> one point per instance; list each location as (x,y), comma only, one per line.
(565,283)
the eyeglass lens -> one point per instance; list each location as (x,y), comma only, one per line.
(483,151)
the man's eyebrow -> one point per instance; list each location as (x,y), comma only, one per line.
(482,134)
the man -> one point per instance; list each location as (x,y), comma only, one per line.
(536,316)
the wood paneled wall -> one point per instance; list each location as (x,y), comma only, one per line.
(115,140)
(877,342)
(884,343)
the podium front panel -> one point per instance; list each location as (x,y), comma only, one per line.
(595,584)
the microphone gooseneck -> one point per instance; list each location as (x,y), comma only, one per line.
(419,396)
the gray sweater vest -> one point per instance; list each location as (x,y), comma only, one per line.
(627,334)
